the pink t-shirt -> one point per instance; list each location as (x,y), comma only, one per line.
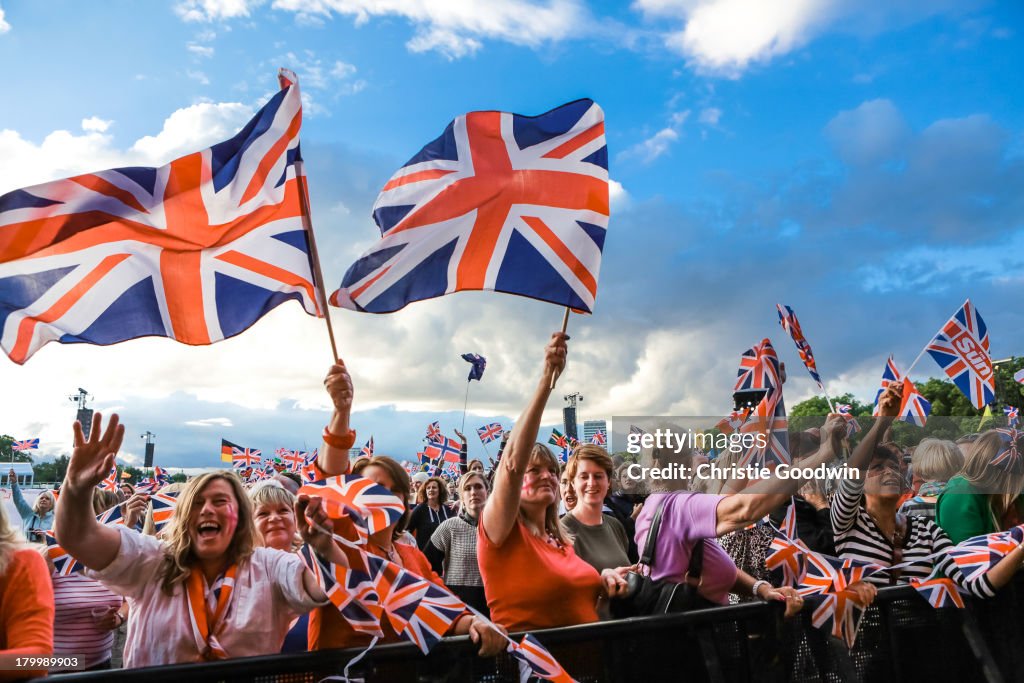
(687,519)
(268,594)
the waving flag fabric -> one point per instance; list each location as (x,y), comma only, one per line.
(110,483)
(445,450)
(759,369)
(541,662)
(1012,416)
(978,554)
(939,592)
(599,438)
(434,431)
(373,503)
(163,505)
(490,432)
(241,457)
(498,202)
(197,250)
(890,374)
(961,348)
(478,362)
(558,439)
(733,421)
(26,445)
(1019,376)
(789,322)
(914,407)
(367,450)
(162,476)
(293,459)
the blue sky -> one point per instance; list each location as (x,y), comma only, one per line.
(861,162)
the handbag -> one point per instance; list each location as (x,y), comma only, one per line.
(645,596)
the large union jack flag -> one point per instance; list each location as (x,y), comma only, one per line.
(197,250)
(500,202)
(961,350)
(371,503)
(939,592)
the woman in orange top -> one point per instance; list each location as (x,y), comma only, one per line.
(327,628)
(532,577)
(26,600)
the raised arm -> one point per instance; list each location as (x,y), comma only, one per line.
(463,453)
(24,509)
(888,408)
(499,514)
(338,436)
(76,529)
(738,510)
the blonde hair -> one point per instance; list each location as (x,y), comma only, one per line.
(541,454)
(39,499)
(11,539)
(178,553)
(270,492)
(103,500)
(1003,485)
(936,460)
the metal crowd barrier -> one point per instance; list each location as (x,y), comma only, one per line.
(901,638)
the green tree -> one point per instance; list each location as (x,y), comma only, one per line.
(179,477)
(51,471)
(8,454)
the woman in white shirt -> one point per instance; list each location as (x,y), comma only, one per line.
(205,593)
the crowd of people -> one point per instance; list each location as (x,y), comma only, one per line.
(528,543)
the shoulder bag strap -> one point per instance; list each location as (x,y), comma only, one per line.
(696,568)
(647,556)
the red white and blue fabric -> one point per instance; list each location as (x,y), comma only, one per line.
(599,438)
(1008,458)
(375,505)
(759,369)
(65,564)
(961,348)
(161,475)
(477,366)
(445,450)
(26,445)
(1019,376)
(310,457)
(308,472)
(1012,416)
(733,421)
(434,431)
(163,505)
(367,450)
(292,459)
(830,577)
(914,408)
(350,590)
(498,202)
(490,432)
(197,250)
(890,374)
(787,550)
(789,322)
(541,663)
(146,485)
(110,483)
(976,555)
(852,426)
(939,592)
(243,458)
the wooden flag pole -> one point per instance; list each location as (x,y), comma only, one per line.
(318,275)
(565,324)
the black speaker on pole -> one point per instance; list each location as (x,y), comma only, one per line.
(569,422)
(150,447)
(85,417)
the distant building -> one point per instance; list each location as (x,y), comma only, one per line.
(590,427)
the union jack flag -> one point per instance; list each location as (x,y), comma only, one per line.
(759,369)
(146,485)
(478,362)
(498,202)
(350,590)
(311,455)
(418,609)
(600,438)
(914,407)
(161,475)
(63,563)
(378,507)
(445,450)
(293,459)
(491,432)
(434,431)
(308,472)
(890,374)
(243,458)
(838,613)
(543,665)
(733,421)
(787,555)
(197,250)
(789,322)
(367,450)
(978,554)
(961,350)
(26,445)
(163,505)
(852,426)
(939,592)
(1012,415)
(110,483)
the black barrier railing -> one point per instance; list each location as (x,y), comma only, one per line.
(900,638)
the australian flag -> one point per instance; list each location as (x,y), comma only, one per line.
(499,202)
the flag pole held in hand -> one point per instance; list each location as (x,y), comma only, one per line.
(565,324)
(318,275)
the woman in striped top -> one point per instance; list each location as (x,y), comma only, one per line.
(86,617)
(868,528)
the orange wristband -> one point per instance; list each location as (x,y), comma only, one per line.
(344,442)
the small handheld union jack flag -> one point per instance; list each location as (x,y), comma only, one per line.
(914,408)
(599,438)
(243,458)
(961,348)
(367,450)
(110,483)
(163,506)
(345,494)
(434,431)
(890,374)
(490,432)
(543,665)
(26,445)
(1012,416)
(499,202)
(939,592)
(787,318)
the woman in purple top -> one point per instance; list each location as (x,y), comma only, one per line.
(690,518)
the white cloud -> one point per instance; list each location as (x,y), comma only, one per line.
(653,147)
(210,422)
(95,124)
(202,51)
(871,133)
(710,116)
(4,26)
(726,37)
(342,70)
(458,29)
(618,197)
(192,128)
(215,10)
(197,75)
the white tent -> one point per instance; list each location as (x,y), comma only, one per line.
(22,470)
